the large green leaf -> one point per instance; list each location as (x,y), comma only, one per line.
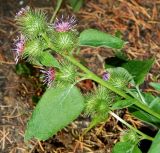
(57,108)
(138,69)
(125,147)
(155,147)
(96,38)
(122,104)
(48,60)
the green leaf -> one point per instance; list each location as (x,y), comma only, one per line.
(155,147)
(118,34)
(22,69)
(155,85)
(148,97)
(96,38)
(57,108)
(125,147)
(145,117)
(76,4)
(48,60)
(136,150)
(138,69)
(122,104)
(120,54)
(154,104)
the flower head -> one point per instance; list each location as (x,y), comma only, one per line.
(19,44)
(106,76)
(31,22)
(119,77)
(22,11)
(49,76)
(63,25)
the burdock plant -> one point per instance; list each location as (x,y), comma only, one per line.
(117,88)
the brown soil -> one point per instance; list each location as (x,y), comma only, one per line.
(139,23)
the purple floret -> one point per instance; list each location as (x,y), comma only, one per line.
(19,44)
(22,11)
(63,25)
(106,76)
(49,76)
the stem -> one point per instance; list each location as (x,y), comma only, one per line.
(131,127)
(94,77)
(84,78)
(59,2)
(140,95)
(107,85)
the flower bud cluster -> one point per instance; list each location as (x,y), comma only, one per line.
(30,45)
(32,25)
(33,42)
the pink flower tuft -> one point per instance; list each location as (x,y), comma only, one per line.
(63,25)
(22,11)
(49,76)
(19,47)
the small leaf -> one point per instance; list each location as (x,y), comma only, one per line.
(121,104)
(22,69)
(120,54)
(95,38)
(155,147)
(125,147)
(145,117)
(57,108)
(148,97)
(155,85)
(48,60)
(118,34)
(138,69)
(154,104)
(76,5)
